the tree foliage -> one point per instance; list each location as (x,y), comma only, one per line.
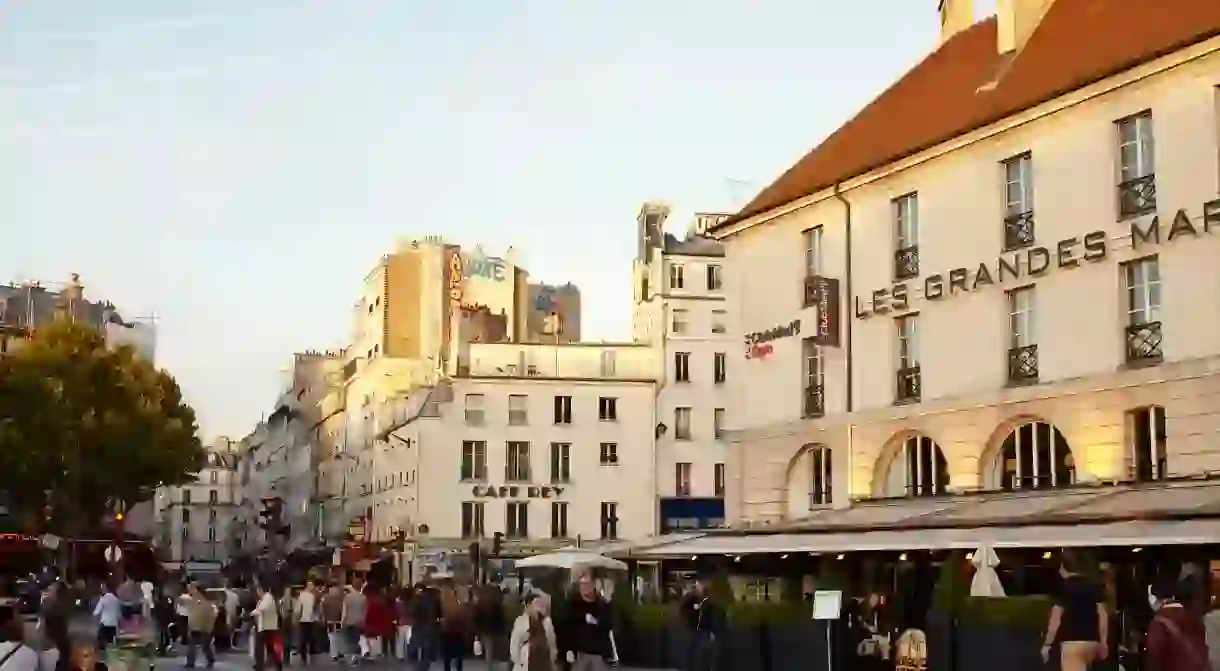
(84,426)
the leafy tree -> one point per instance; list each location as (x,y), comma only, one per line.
(84,427)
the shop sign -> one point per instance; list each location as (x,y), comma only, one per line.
(758,343)
(488,268)
(824,297)
(1037,261)
(517,491)
(456,275)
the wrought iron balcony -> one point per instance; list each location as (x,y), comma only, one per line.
(1144,342)
(1023,364)
(908,384)
(906,263)
(810,294)
(815,401)
(1137,196)
(1019,230)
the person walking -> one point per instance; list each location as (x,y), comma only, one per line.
(425,626)
(491,626)
(200,623)
(532,645)
(56,611)
(1079,623)
(455,623)
(378,623)
(109,612)
(1176,638)
(307,621)
(705,619)
(267,631)
(288,622)
(355,610)
(585,635)
(402,621)
(15,653)
(232,606)
(332,615)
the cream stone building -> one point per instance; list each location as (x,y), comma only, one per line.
(194,522)
(1000,275)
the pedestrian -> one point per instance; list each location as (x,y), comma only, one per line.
(85,658)
(425,625)
(532,645)
(378,622)
(332,615)
(704,617)
(585,633)
(307,620)
(1079,622)
(491,625)
(200,624)
(455,627)
(267,631)
(109,612)
(163,615)
(15,654)
(402,621)
(56,611)
(1176,638)
(232,605)
(355,609)
(288,623)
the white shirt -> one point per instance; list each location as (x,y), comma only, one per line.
(306,606)
(109,610)
(25,659)
(267,613)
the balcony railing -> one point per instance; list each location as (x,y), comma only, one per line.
(1137,196)
(908,384)
(1144,342)
(1023,364)
(810,294)
(815,401)
(1019,230)
(906,263)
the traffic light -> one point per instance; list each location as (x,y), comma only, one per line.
(497,544)
(272,516)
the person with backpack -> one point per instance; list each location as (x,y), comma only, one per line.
(1176,638)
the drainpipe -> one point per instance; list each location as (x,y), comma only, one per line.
(847,346)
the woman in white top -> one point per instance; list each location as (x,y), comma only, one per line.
(267,621)
(15,655)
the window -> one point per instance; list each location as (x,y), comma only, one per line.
(680,322)
(213,497)
(1019,202)
(1148,455)
(906,236)
(814,378)
(517,462)
(474,460)
(1036,456)
(563,409)
(609,520)
(1143,332)
(561,463)
(720,368)
(926,473)
(820,478)
(517,519)
(676,277)
(907,333)
(682,424)
(718,423)
(186,516)
(813,251)
(607,409)
(1022,345)
(472,519)
(714,280)
(718,480)
(682,479)
(719,317)
(682,366)
(609,359)
(186,497)
(474,409)
(609,454)
(559,519)
(214,477)
(518,410)
(1136,166)
(212,534)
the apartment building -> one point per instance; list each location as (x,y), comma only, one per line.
(193,521)
(681,310)
(991,278)
(27,305)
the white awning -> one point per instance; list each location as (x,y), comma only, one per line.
(1111,534)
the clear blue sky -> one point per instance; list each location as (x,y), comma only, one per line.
(236,166)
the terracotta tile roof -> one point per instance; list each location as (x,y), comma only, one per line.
(1078,42)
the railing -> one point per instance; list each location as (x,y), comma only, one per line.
(1144,342)
(1023,364)
(1137,196)
(810,294)
(908,384)
(1019,230)
(815,401)
(906,263)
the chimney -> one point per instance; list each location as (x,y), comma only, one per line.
(955,16)
(1016,20)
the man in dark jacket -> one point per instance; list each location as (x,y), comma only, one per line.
(425,625)
(585,635)
(705,619)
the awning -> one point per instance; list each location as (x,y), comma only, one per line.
(1112,534)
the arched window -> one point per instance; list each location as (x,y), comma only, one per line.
(919,469)
(1036,456)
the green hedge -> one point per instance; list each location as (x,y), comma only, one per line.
(1013,612)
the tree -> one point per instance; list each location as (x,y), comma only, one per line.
(85,427)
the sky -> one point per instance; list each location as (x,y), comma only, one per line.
(235,167)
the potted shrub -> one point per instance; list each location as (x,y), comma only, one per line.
(1001,634)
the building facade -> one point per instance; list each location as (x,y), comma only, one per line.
(1003,295)
(28,305)
(193,521)
(681,310)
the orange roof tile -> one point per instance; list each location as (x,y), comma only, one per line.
(1078,42)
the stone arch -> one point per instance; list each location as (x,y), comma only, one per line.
(804,491)
(911,463)
(1027,452)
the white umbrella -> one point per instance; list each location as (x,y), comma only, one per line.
(570,558)
(986,581)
